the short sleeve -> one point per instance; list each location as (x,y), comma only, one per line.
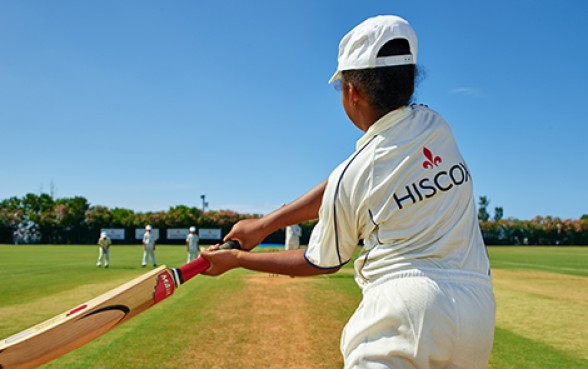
(342,214)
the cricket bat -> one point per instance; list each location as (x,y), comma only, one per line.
(74,328)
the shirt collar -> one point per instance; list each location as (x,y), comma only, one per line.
(383,124)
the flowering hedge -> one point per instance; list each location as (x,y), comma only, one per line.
(42,219)
(537,231)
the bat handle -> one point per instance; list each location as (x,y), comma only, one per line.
(195,267)
(230,244)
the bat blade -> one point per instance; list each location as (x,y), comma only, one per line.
(80,325)
(74,328)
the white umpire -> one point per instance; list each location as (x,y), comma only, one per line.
(192,241)
(104,249)
(293,233)
(149,240)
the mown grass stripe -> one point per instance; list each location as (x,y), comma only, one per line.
(547,307)
(513,351)
(564,260)
(577,271)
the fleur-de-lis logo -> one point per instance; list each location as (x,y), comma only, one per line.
(431,160)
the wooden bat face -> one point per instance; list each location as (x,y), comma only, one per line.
(76,327)
(80,325)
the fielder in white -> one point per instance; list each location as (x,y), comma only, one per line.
(104,250)
(406,192)
(149,240)
(293,234)
(192,241)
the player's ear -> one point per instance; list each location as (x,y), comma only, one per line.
(353,94)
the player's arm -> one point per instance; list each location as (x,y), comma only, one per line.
(286,262)
(251,232)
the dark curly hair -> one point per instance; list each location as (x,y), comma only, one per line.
(386,88)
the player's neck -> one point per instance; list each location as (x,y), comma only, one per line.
(366,117)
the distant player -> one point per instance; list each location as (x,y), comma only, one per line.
(293,234)
(407,193)
(192,241)
(104,250)
(148,246)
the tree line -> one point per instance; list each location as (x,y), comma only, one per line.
(541,230)
(45,220)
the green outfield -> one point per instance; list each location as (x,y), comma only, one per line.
(253,320)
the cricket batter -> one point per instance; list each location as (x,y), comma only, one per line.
(192,241)
(407,193)
(148,246)
(104,249)
(293,233)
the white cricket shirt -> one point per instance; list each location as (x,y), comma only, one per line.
(149,240)
(104,242)
(192,240)
(293,230)
(407,193)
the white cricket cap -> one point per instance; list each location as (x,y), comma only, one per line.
(192,229)
(103,234)
(147,227)
(359,48)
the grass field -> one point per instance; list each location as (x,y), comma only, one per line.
(253,320)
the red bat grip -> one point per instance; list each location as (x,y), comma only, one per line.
(195,267)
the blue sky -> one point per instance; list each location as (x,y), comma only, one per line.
(150,104)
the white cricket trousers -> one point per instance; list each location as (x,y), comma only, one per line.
(103,255)
(149,252)
(192,254)
(292,243)
(422,320)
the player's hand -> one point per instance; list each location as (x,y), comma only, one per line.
(220,261)
(249,233)
(214,247)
